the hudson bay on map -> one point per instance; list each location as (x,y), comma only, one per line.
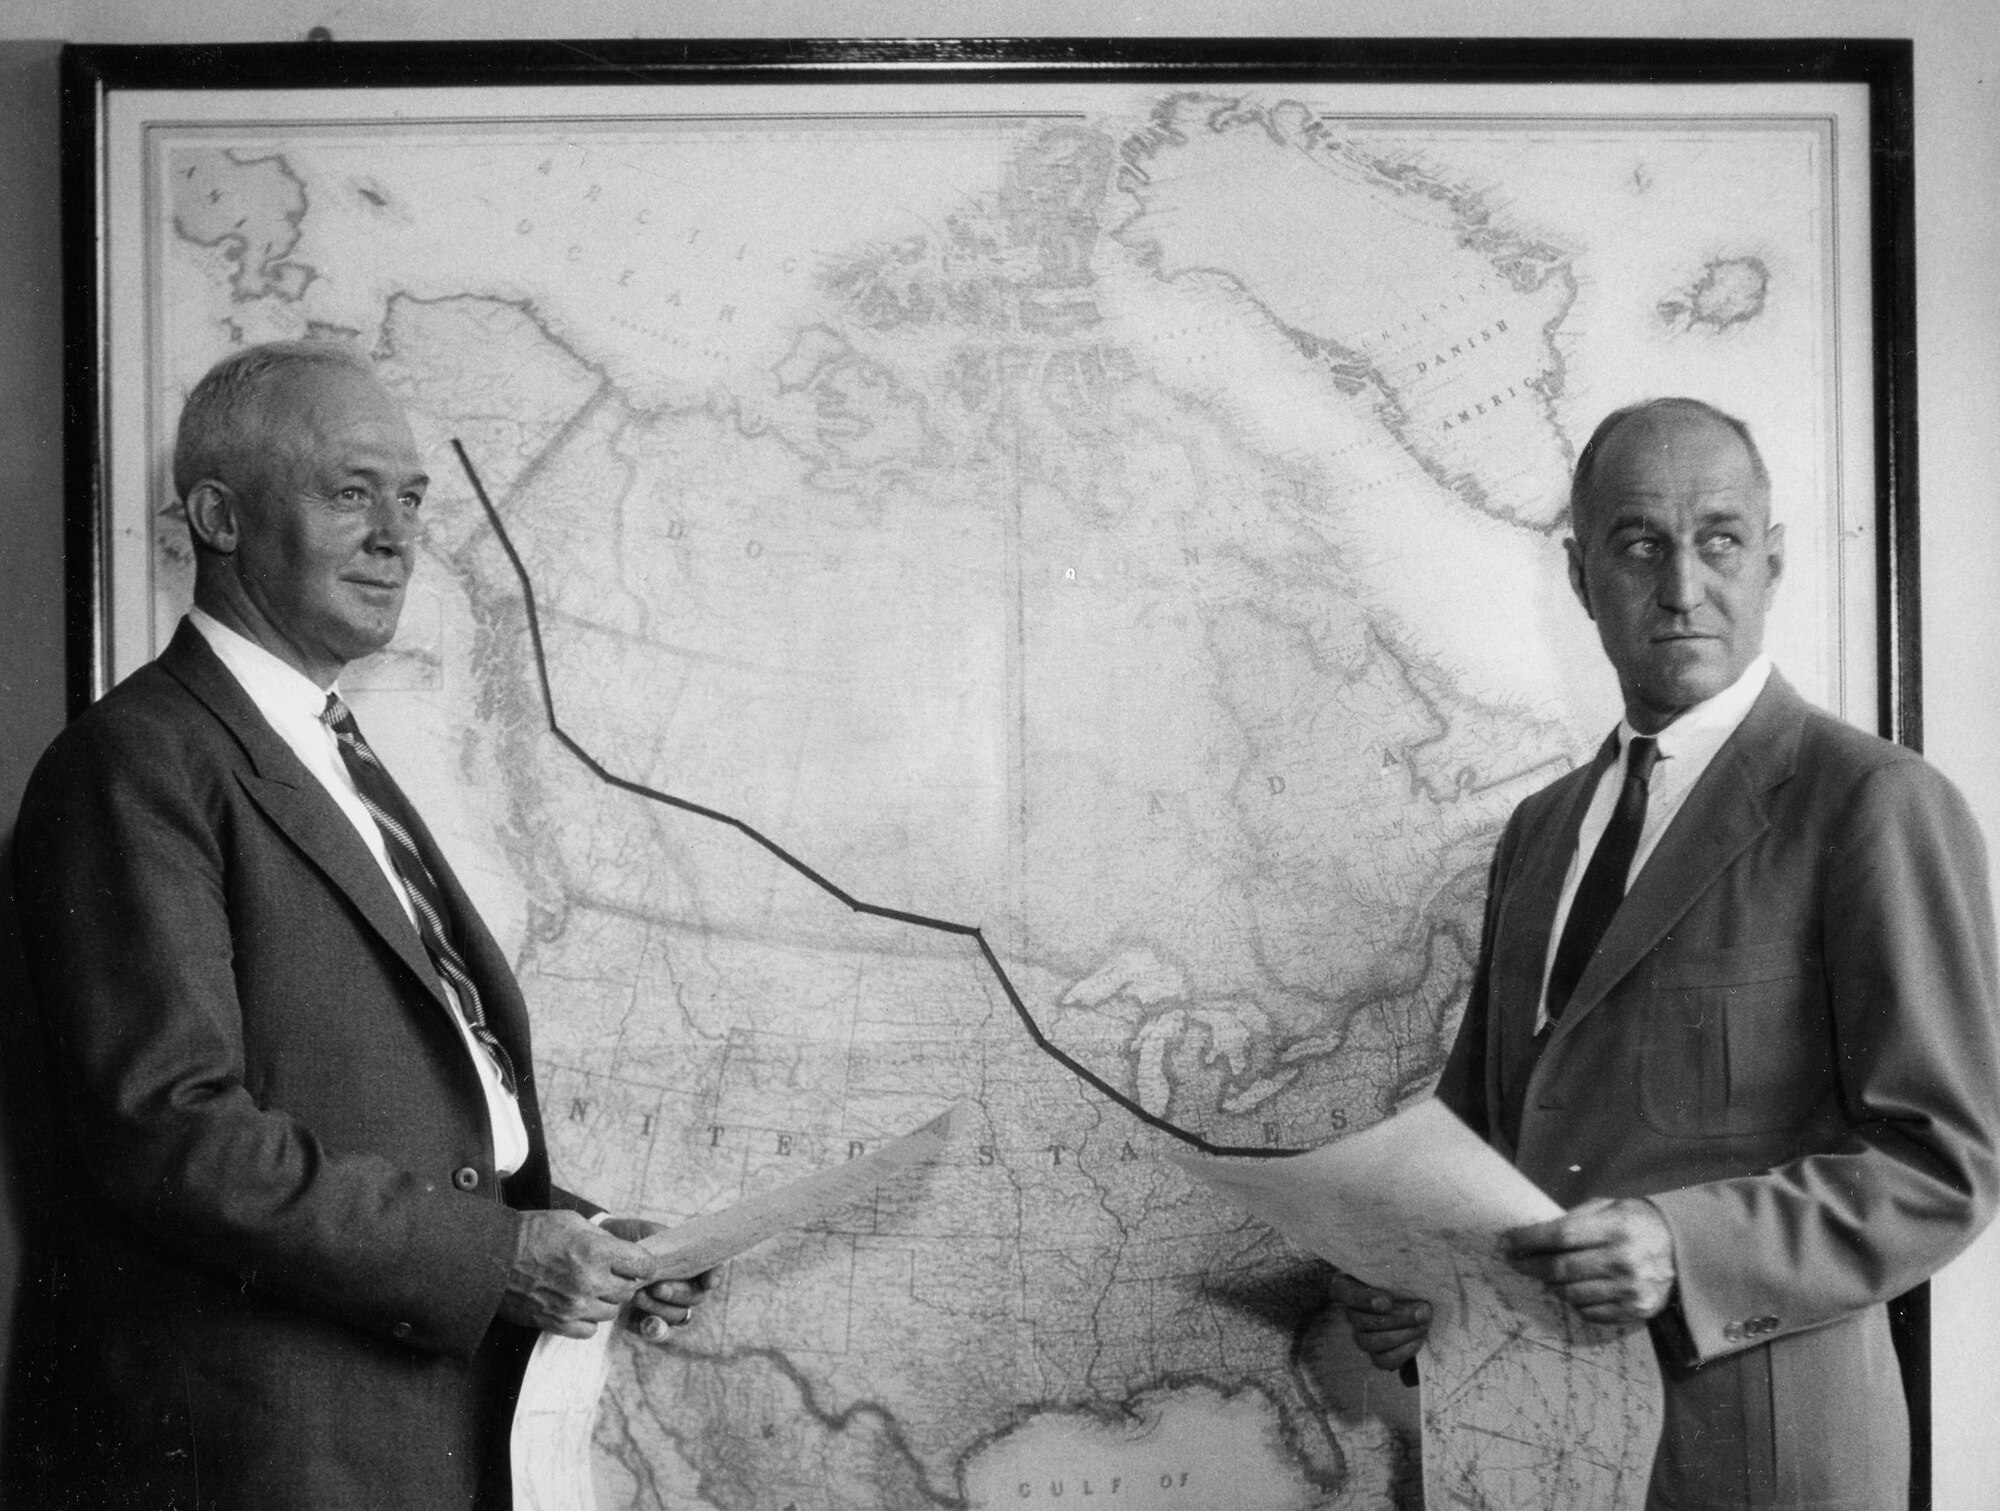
(1130,528)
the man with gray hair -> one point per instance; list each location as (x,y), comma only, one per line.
(308,1232)
(1734,1006)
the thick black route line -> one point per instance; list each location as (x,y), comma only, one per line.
(874,910)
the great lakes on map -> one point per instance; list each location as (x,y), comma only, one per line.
(1133,534)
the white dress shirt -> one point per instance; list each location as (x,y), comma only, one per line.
(291,704)
(1686,747)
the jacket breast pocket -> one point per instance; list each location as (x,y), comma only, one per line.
(1733,1041)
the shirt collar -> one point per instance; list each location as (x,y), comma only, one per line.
(1708,723)
(272,685)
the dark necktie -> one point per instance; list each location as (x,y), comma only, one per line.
(1603,884)
(393,815)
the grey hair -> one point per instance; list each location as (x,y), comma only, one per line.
(1586,460)
(220,429)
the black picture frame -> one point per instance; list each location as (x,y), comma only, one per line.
(89,74)
(1882,66)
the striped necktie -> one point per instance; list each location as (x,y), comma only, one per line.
(397,821)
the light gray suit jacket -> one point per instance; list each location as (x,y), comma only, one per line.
(1787,1040)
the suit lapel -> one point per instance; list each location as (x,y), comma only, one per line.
(1544,866)
(310,820)
(1720,819)
(1522,939)
(292,798)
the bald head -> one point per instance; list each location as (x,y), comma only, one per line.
(1652,423)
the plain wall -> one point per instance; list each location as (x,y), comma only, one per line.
(1957,44)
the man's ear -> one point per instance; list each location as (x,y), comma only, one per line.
(1577,582)
(212,516)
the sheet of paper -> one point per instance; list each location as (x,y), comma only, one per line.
(1524,1405)
(557,1411)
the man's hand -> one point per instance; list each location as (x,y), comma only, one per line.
(1611,1262)
(1388,1328)
(664,1303)
(568,1276)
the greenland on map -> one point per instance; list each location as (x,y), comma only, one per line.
(1122,521)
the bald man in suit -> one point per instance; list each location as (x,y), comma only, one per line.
(1735,1007)
(307,1232)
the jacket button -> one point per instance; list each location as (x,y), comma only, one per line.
(465,1178)
(400,1330)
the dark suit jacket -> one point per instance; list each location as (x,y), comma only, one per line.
(1788,1040)
(274,1276)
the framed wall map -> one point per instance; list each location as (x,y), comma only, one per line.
(1096,506)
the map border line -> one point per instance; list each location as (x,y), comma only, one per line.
(874,910)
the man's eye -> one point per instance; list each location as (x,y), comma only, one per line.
(352,494)
(1721,545)
(1641,549)
(411,500)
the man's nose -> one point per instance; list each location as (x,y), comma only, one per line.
(1680,587)
(394,527)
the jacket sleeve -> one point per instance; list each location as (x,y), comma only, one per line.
(124,900)
(1908,945)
